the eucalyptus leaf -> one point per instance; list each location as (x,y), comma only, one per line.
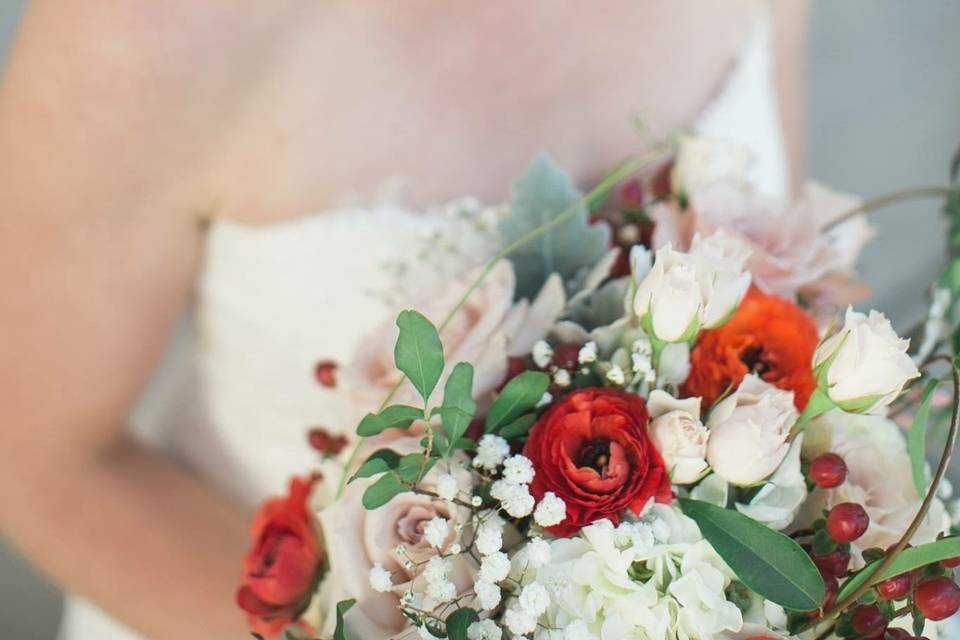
(907,560)
(917,439)
(544,192)
(379,461)
(382,491)
(396,416)
(458,406)
(768,562)
(418,352)
(459,621)
(519,396)
(339,632)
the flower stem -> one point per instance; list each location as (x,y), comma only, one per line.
(888,199)
(626,168)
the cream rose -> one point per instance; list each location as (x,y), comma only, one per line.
(356,539)
(749,430)
(701,162)
(878,477)
(678,435)
(720,260)
(863,367)
(669,299)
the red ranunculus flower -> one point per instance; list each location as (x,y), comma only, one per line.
(767,335)
(281,569)
(592,449)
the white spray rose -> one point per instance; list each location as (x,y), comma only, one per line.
(720,259)
(678,435)
(864,366)
(670,295)
(701,162)
(749,430)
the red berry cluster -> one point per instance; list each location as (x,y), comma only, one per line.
(928,593)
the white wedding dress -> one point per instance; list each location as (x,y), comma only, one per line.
(235,396)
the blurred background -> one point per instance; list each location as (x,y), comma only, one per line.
(884,113)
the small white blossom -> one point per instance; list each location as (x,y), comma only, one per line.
(518,470)
(551,510)
(616,376)
(488,594)
(545,399)
(491,452)
(588,353)
(577,630)
(561,377)
(534,599)
(476,501)
(380,579)
(542,354)
(537,552)
(455,548)
(442,591)
(519,621)
(436,569)
(484,630)
(514,498)
(447,487)
(494,568)
(490,537)
(436,531)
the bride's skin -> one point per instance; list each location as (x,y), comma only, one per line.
(123,123)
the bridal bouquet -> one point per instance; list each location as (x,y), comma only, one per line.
(645,420)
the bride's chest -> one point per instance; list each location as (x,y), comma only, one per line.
(457,102)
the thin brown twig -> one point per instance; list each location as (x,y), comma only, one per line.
(888,199)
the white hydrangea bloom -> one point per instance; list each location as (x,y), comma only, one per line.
(518,470)
(447,487)
(436,531)
(514,498)
(380,578)
(519,621)
(534,599)
(488,594)
(551,510)
(578,630)
(490,536)
(491,452)
(484,630)
(494,568)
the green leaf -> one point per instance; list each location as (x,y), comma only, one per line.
(459,621)
(907,560)
(382,491)
(339,633)
(519,428)
(418,352)
(768,562)
(917,439)
(458,406)
(538,197)
(519,396)
(396,416)
(412,464)
(378,462)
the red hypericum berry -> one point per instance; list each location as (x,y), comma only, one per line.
(326,443)
(895,588)
(660,184)
(868,621)
(828,470)
(566,356)
(833,564)
(951,563)
(937,598)
(631,195)
(326,373)
(847,521)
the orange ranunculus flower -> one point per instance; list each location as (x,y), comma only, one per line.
(769,336)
